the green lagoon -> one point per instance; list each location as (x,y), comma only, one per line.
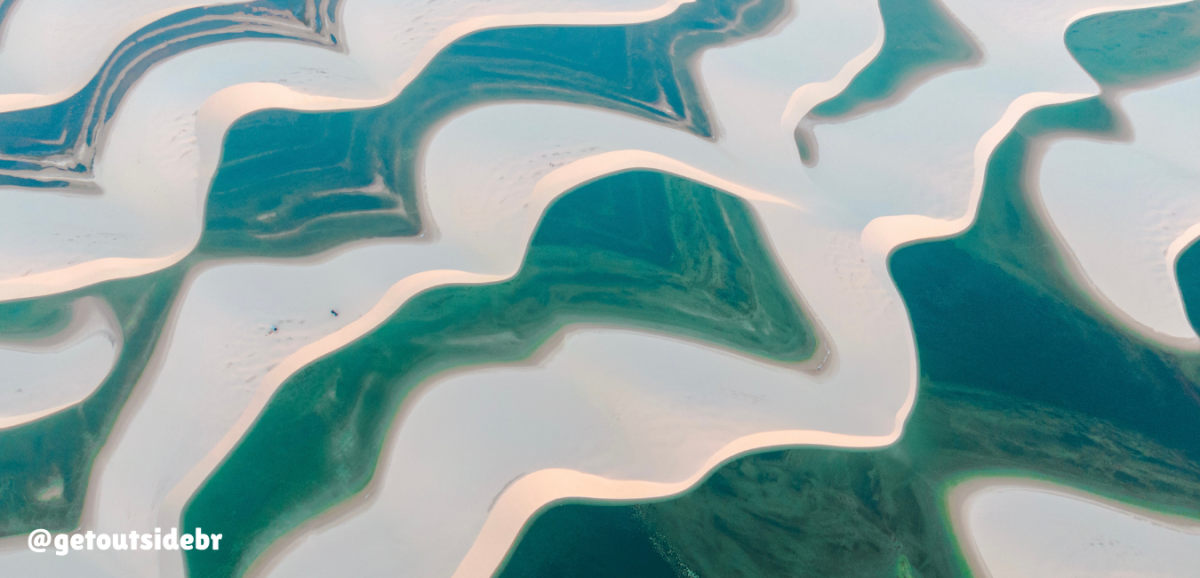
(1021,373)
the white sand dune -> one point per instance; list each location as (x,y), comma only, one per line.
(43,376)
(1120,207)
(1020,528)
(609,429)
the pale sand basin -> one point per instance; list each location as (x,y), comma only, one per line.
(847,294)
(1025,528)
(173,122)
(1121,207)
(45,375)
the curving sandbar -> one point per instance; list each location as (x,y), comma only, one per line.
(1119,207)
(185,163)
(47,58)
(169,124)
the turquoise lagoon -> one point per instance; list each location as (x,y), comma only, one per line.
(1021,373)
(51,146)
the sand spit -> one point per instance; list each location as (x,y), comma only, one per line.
(1011,527)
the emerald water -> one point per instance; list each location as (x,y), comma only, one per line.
(641,249)
(1021,374)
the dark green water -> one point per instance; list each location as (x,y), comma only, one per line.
(1021,374)
(921,39)
(640,249)
(292,182)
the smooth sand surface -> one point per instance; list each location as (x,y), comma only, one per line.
(1121,206)
(1023,528)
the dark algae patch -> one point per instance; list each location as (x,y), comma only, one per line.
(61,447)
(1022,374)
(641,249)
(299,182)
(921,39)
